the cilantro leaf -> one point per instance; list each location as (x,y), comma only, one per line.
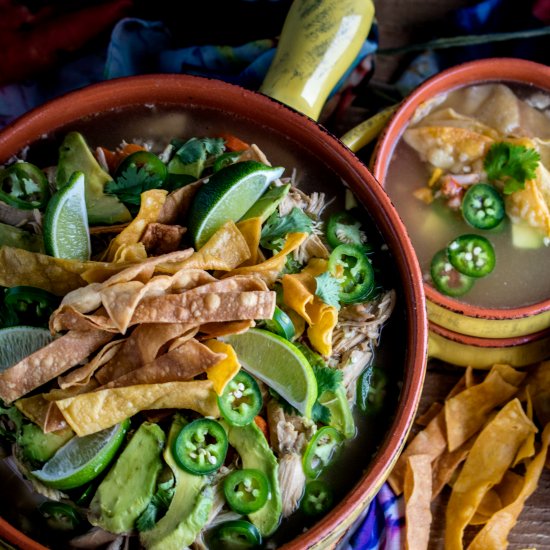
(328,379)
(320,413)
(328,289)
(276,228)
(197,149)
(157,506)
(511,164)
(131,183)
(291,266)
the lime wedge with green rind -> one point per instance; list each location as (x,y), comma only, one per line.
(66,232)
(82,459)
(278,363)
(228,195)
(18,342)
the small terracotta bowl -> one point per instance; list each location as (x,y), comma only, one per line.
(501,325)
(165,106)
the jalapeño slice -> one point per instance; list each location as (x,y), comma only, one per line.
(350,264)
(317,498)
(241,399)
(320,450)
(236,534)
(472,255)
(152,170)
(246,490)
(281,324)
(201,446)
(23,185)
(482,206)
(34,304)
(446,278)
(343,228)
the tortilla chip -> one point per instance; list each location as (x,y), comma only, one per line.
(494,534)
(149,210)
(200,308)
(81,376)
(448,147)
(186,279)
(251,230)
(324,319)
(134,252)
(527,450)
(67,318)
(431,441)
(269,269)
(467,412)
(214,330)
(177,203)
(451,118)
(91,412)
(182,363)
(222,372)
(427,416)
(42,412)
(50,361)
(160,238)
(538,384)
(141,347)
(417,494)
(491,455)
(225,250)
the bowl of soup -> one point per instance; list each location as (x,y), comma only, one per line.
(465,161)
(380,332)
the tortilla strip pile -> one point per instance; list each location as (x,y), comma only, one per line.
(489,428)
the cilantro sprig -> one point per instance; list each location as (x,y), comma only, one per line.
(511,164)
(328,289)
(197,149)
(131,183)
(276,228)
(157,506)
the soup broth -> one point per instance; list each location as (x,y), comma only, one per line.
(497,113)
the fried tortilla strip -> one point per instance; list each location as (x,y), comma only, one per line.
(50,361)
(494,534)
(141,347)
(538,384)
(214,330)
(222,372)
(199,308)
(269,269)
(82,375)
(251,230)
(527,450)
(177,203)
(151,205)
(467,412)
(431,441)
(179,364)
(160,238)
(42,412)
(134,252)
(67,318)
(427,416)
(91,412)
(56,275)
(417,494)
(448,147)
(491,455)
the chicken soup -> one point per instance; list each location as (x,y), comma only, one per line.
(469,176)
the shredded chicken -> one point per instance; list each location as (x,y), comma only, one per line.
(312,247)
(292,481)
(288,433)
(20,218)
(356,334)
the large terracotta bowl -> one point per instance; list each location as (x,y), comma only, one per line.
(163,106)
(447,312)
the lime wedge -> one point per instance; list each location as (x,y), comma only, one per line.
(228,195)
(278,363)
(66,233)
(82,459)
(18,342)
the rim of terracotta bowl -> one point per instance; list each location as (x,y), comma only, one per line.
(199,91)
(500,69)
(478,342)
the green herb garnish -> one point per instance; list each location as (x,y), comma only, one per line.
(157,506)
(328,289)
(129,186)
(511,164)
(277,228)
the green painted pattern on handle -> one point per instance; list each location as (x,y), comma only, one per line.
(319,42)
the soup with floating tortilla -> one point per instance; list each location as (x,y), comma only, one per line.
(470,178)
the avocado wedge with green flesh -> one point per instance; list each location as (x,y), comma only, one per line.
(251,444)
(189,509)
(75,156)
(37,446)
(19,238)
(129,486)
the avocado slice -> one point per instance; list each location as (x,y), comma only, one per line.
(341,416)
(267,203)
(19,238)
(75,155)
(129,486)
(190,507)
(249,441)
(36,446)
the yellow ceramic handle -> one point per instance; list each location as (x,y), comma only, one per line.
(319,42)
